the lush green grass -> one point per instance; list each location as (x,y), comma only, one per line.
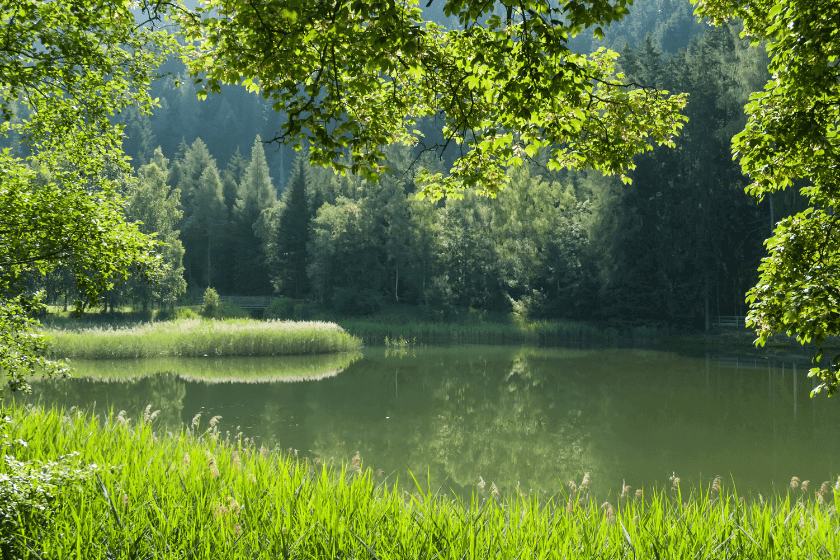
(244,369)
(194,337)
(202,495)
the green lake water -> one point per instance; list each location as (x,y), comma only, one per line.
(527,416)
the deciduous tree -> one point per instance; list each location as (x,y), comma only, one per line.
(791,140)
(357,75)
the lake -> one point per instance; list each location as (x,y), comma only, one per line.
(528,416)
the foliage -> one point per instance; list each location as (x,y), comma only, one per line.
(791,140)
(357,76)
(30,494)
(224,497)
(65,68)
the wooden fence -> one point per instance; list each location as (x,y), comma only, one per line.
(730,321)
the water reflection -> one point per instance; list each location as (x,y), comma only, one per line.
(536,417)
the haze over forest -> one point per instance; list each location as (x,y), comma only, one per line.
(680,244)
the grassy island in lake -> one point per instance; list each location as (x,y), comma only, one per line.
(203,337)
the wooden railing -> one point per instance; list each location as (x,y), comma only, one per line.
(731,321)
(245,302)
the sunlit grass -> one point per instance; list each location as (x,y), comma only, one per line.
(198,338)
(206,495)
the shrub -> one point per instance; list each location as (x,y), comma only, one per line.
(280,308)
(211,302)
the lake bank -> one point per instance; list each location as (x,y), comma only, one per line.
(202,338)
(122,489)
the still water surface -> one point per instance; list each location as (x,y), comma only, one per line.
(536,417)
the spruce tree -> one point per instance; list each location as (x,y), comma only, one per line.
(256,195)
(289,258)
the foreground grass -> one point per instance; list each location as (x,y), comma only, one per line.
(196,337)
(135,494)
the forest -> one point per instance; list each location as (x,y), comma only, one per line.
(677,246)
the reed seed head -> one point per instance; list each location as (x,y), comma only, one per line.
(794,483)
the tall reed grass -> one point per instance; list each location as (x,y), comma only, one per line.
(195,337)
(544,333)
(204,495)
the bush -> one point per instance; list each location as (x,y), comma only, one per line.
(211,302)
(175,314)
(280,308)
(353,301)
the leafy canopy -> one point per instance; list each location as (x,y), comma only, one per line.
(65,68)
(354,76)
(791,139)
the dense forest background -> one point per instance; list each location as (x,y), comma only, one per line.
(678,245)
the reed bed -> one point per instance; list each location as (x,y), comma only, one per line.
(202,338)
(541,333)
(137,494)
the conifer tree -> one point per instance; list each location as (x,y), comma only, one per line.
(210,214)
(256,195)
(288,261)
